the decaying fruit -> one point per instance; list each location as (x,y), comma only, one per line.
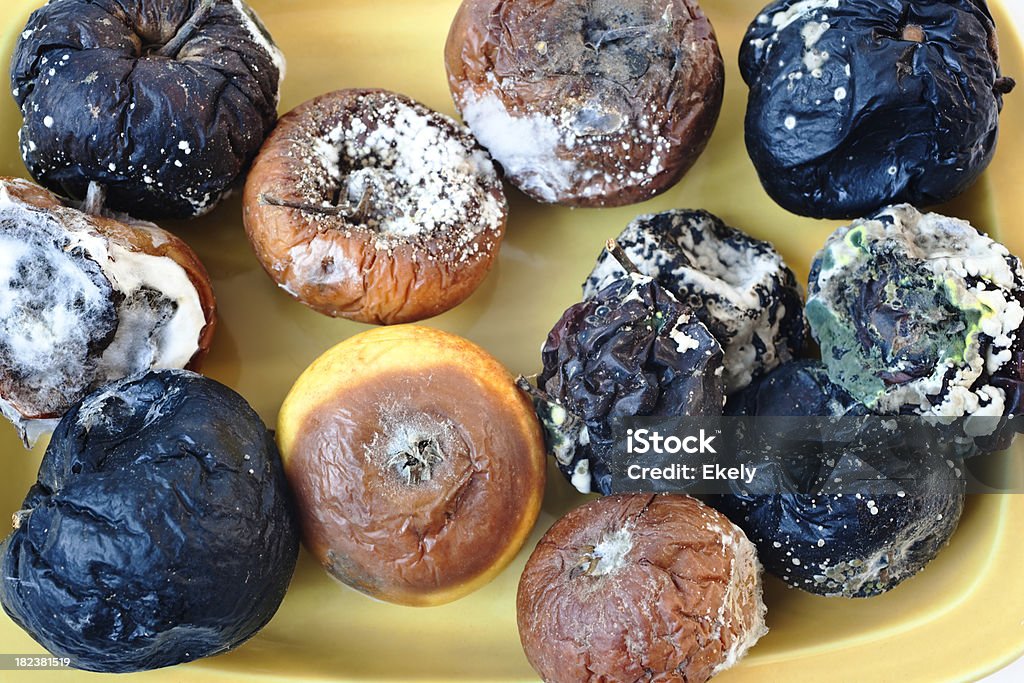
(159,530)
(858,104)
(417,464)
(364,204)
(850,506)
(587,102)
(163,102)
(88,299)
(640,587)
(738,286)
(921,314)
(632,349)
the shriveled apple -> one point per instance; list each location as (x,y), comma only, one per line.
(418,465)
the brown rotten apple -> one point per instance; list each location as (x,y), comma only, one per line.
(417,464)
(364,204)
(587,102)
(640,587)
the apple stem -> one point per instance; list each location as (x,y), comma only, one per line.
(360,213)
(19,517)
(1004,85)
(612,35)
(534,392)
(185,33)
(913,33)
(357,213)
(95,198)
(325,209)
(620,255)
(587,564)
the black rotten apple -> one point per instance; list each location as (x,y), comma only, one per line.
(164,103)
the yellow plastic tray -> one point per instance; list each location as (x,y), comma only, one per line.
(961,618)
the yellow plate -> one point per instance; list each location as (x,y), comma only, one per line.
(958,620)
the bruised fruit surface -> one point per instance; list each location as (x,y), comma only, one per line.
(85,300)
(640,587)
(164,102)
(799,388)
(366,205)
(631,350)
(159,530)
(417,464)
(587,102)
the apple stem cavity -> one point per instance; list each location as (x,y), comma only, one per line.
(187,30)
(412,443)
(416,462)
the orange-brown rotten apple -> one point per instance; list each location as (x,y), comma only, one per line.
(587,102)
(364,204)
(640,587)
(417,464)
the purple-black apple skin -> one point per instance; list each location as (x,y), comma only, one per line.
(160,529)
(166,135)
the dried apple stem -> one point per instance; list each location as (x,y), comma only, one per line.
(360,213)
(612,35)
(913,33)
(187,30)
(605,557)
(325,209)
(1004,85)
(534,392)
(357,213)
(19,517)
(587,564)
(620,255)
